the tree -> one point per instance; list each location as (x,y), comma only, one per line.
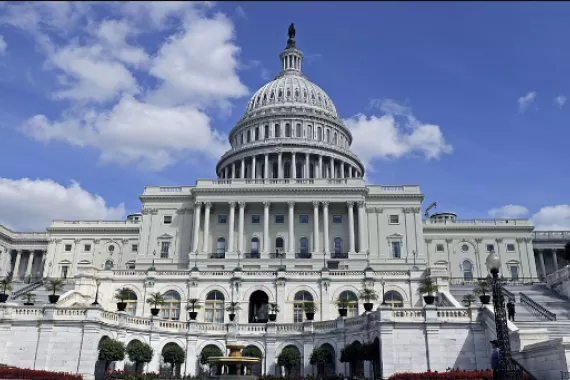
(209,351)
(468,299)
(174,355)
(6,285)
(55,285)
(140,353)
(371,353)
(482,287)
(123,294)
(289,358)
(155,299)
(427,286)
(111,350)
(252,352)
(320,355)
(368,294)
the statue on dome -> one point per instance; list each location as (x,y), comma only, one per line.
(291,40)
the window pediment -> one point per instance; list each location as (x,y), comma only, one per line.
(165,237)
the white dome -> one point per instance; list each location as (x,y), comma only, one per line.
(292,88)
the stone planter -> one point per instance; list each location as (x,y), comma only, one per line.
(121,306)
(368,306)
(53,298)
(429,300)
(28,304)
(193,315)
(342,312)
(310,316)
(272,317)
(485,300)
(154,311)
(3,298)
(232,317)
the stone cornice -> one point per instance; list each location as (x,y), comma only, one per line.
(284,191)
(166,198)
(95,229)
(446,229)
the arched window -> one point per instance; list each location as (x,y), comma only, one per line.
(279,244)
(221,247)
(256,133)
(275,170)
(266,132)
(109,265)
(310,132)
(300,298)
(277,133)
(287,130)
(347,295)
(338,247)
(171,307)
(304,247)
(299,132)
(255,247)
(393,299)
(214,307)
(467,271)
(248,135)
(296,93)
(335,139)
(242,139)
(131,302)
(287,170)
(328,136)
(319,134)
(299,170)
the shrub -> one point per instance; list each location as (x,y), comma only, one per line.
(111,350)
(289,358)
(139,353)
(124,375)
(209,351)
(30,374)
(449,374)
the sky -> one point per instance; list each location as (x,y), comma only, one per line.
(466,99)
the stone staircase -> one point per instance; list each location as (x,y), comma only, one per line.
(38,289)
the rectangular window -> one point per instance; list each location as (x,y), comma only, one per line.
(87,248)
(279,219)
(396,249)
(222,219)
(298,314)
(490,248)
(134,248)
(514,273)
(164,248)
(337,219)
(510,247)
(255,219)
(394,219)
(439,248)
(167,219)
(303,219)
(68,248)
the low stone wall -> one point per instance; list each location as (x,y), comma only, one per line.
(546,360)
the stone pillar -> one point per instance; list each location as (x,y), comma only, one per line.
(555,259)
(242,171)
(17,264)
(291,227)
(30,263)
(541,261)
(44,257)
(350,172)
(307,165)
(226,172)
(293,166)
(206,240)
(341,169)
(266,166)
(280,165)
(361,228)
(332,171)
(241,222)
(351,248)
(233,170)
(266,244)
(316,247)
(230,247)
(326,242)
(197,212)
(320,171)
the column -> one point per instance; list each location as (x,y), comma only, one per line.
(326,242)
(555,259)
(316,248)
(197,212)
(350,227)
(293,166)
(233,170)
(320,171)
(44,257)
(240,226)
(332,171)
(266,167)
(307,166)
(230,247)
(540,259)
(291,227)
(17,264)
(242,171)
(362,227)
(350,172)
(266,244)
(341,170)
(253,167)
(30,262)
(279,165)
(206,240)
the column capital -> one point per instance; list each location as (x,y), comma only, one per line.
(360,203)
(528,240)
(325,203)
(232,204)
(350,204)
(316,204)
(198,204)
(293,154)
(208,204)
(499,240)
(241,204)
(266,154)
(478,240)
(266,203)
(428,241)
(291,203)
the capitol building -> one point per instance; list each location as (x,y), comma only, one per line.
(288,220)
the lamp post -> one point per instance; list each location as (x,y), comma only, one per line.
(96,302)
(506,368)
(383,283)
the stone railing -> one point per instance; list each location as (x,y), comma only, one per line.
(340,182)
(551,235)
(245,274)
(559,281)
(494,222)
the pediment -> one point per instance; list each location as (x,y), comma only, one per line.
(165,236)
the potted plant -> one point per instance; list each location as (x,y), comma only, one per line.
(482,289)
(54,285)
(468,299)
(155,299)
(30,297)
(343,305)
(309,308)
(6,285)
(232,308)
(368,295)
(193,306)
(429,288)
(273,310)
(122,295)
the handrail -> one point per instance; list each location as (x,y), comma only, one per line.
(522,368)
(510,295)
(527,301)
(27,288)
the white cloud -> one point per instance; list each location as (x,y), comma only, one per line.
(560,100)
(31,205)
(3,45)
(240,12)
(552,218)
(526,101)
(508,212)
(386,137)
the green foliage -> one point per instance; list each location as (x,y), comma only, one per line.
(309,307)
(368,295)
(30,297)
(233,307)
(482,287)
(320,355)
(252,352)
(193,304)
(173,354)
(6,285)
(155,299)
(289,358)
(54,285)
(274,308)
(427,286)
(111,350)
(139,353)
(468,299)
(209,351)
(343,303)
(123,294)
(351,353)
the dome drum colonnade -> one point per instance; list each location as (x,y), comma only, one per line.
(269,142)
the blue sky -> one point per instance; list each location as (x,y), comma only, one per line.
(466,99)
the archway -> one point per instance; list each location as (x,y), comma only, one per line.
(376,367)
(328,369)
(99,371)
(258,305)
(296,370)
(171,369)
(130,366)
(253,351)
(357,366)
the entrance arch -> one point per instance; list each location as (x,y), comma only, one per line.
(258,307)
(328,369)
